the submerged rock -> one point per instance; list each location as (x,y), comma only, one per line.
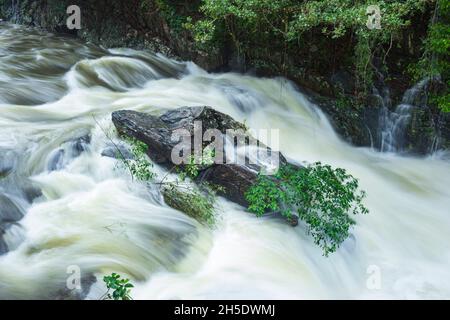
(13,182)
(86,283)
(185,202)
(234,178)
(5,170)
(80,145)
(67,152)
(9,213)
(6,163)
(3,246)
(56,161)
(117,151)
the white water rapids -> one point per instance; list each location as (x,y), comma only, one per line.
(90,214)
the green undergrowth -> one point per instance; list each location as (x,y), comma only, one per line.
(140,166)
(197,201)
(273,32)
(118,288)
(324,199)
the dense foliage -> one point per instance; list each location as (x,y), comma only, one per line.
(329,34)
(322,196)
(435,62)
(140,166)
(252,23)
(121,288)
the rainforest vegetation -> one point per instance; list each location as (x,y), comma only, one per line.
(326,46)
(359,89)
(326,35)
(304,40)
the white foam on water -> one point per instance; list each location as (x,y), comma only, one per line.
(91,213)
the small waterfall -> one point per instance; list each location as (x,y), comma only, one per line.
(393,124)
(80,208)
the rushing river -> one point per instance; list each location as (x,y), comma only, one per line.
(81,209)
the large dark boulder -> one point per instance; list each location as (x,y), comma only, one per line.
(235,179)
(156,132)
(149,129)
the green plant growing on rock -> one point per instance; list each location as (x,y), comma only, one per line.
(435,61)
(284,26)
(323,197)
(140,166)
(121,288)
(198,203)
(192,168)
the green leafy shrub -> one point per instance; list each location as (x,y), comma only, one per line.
(168,9)
(198,203)
(121,288)
(435,62)
(140,166)
(194,165)
(203,30)
(323,197)
(285,26)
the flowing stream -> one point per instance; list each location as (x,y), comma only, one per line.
(393,123)
(82,210)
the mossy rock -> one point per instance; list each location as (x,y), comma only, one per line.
(192,203)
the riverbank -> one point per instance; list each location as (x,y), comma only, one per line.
(162,26)
(81,208)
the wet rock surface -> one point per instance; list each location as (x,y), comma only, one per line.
(6,163)
(70,150)
(86,283)
(10,213)
(156,132)
(117,151)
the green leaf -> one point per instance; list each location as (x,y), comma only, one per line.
(322,196)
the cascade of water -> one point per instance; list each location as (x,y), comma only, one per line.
(82,209)
(394,123)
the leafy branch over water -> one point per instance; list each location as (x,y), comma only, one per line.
(140,166)
(322,196)
(121,288)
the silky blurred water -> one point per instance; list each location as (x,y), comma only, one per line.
(82,209)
